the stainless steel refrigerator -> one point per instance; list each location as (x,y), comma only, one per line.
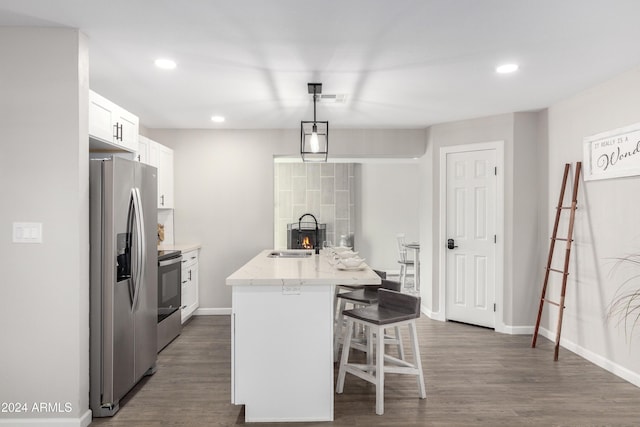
(124,279)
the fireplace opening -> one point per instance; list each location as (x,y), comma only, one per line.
(306,234)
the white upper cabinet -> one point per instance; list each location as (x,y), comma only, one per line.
(152,153)
(111,127)
(142,155)
(160,156)
(165,177)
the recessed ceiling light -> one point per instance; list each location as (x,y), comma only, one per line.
(507,68)
(217,119)
(165,64)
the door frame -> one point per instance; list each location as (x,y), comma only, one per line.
(500,228)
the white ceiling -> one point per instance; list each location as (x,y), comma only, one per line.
(402,63)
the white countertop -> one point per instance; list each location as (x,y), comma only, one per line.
(314,270)
(183,247)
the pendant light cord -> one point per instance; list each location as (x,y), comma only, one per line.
(314,104)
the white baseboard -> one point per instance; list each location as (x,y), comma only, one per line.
(596,359)
(518,330)
(435,315)
(83,421)
(212,312)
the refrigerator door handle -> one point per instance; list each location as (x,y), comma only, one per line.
(140,246)
(131,220)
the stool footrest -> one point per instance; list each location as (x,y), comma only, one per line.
(397,361)
(358,371)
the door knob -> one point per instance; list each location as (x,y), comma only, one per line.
(451,244)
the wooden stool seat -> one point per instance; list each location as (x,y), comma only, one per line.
(351,287)
(361,296)
(379,315)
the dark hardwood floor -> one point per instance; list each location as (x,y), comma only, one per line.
(474,377)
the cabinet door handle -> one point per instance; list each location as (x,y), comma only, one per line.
(184,281)
(162,200)
(121,133)
(115,130)
(189,274)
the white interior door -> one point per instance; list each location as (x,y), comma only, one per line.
(470,232)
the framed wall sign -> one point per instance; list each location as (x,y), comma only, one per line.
(612,154)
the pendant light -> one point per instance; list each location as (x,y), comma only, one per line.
(314,136)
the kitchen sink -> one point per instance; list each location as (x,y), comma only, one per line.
(290,254)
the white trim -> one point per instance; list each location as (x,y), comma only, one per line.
(499,324)
(433,315)
(518,330)
(83,421)
(596,359)
(212,312)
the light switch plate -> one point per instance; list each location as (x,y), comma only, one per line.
(27,232)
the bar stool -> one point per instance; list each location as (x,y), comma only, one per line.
(368,295)
(340,289)
(394,309)
(404,261)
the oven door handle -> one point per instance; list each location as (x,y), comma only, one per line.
(170,261)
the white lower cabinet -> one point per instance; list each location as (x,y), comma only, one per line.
(282,351)
(189,284)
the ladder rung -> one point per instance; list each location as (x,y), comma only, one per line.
(563,239)
(557,271)
(566,207)
(551,302)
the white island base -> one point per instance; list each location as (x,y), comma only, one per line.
(282,336)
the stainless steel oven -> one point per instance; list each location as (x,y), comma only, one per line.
(169,296)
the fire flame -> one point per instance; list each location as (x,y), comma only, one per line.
(306,243)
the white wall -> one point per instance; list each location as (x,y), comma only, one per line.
(607,225)
(529,214)
(496,128)
(224,190)
(387,204)
(44,320)
(520,133)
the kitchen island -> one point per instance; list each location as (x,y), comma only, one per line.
(282,334)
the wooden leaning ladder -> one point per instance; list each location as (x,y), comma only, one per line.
(565,270)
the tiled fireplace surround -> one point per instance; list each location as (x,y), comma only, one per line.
(326,190)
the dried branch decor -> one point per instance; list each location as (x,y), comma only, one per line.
(626,303)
